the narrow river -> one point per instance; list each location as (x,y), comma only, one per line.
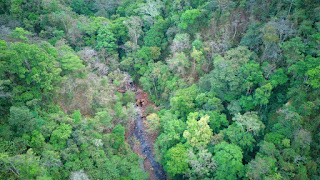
(146,148)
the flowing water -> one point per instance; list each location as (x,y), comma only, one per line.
(146,148)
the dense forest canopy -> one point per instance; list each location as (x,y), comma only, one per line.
(233,85)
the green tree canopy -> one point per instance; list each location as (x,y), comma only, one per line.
(198,132)
(229,161)
(176,159)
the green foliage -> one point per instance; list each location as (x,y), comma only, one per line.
(20,33)
(148,54)
(153,123)
(183,101)
(106,39)
(314,80)
(60,136)
(208,102)
(179,63)
(188,17)
(253,37)
(252,75)
(202,164)
(198,133)
(235,87)
(274,138)
(119,30)
(222,78)
(128,97)
(229,161)
(37,142)
(217,121)
(118,136)
(173,129)
(21,120)
(249,122)
(153,38)
(57,35)
(15,9)
(77,116)
(278,78)
(80,7)
(236,135)
(293,50)
(26,166)
(261,167)
(176,160)
(262,94)
(197,44)
(32,70)
(71,63)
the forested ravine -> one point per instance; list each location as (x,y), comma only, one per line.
(145,147)
(159,89)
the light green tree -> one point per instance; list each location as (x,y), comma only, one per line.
(153,123)
(77,116)
(105,118)
(31,69)
(188,17)
(118,136)
(106,39)
(176,160)
(172,133)
(198,133)
(71,63)
(37,142)
(237,136)
(183,100)
(60,135)
(20,33)
(262,94)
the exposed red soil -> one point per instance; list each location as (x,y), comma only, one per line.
(151,138)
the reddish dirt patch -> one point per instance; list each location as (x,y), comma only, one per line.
(143,97)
